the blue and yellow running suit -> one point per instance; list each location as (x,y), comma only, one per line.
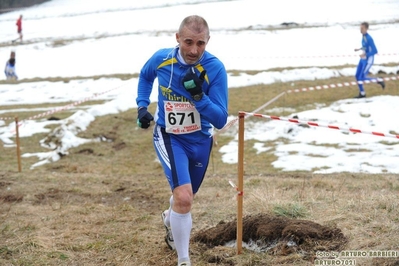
(184,155)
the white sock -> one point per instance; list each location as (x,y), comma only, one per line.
(167,218)
(181,228)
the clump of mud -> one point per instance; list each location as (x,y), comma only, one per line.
(9,197)
(276,235)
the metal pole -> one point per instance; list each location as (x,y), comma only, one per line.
(18,144)
(240,194)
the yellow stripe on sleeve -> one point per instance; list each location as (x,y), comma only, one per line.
(200,69)
(168,62)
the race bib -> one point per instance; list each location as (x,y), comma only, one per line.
(181,118)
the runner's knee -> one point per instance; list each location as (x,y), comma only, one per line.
(182,199)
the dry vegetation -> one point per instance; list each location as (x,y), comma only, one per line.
(101,204)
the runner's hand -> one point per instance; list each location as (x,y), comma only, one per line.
(192,83)
(144,117)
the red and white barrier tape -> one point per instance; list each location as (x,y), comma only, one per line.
(66,107)
(344,84)
(227,126)
(310,56)
(338,85)
(232,122)
(314,124)
(7,118)
(239,193)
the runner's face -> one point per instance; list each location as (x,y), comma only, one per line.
(363,29)
(192,44)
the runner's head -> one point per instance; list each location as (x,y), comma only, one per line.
(193,36)
(364,27)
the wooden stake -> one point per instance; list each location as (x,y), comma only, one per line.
(18,144)
(240,194)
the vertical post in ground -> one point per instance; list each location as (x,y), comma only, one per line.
(18,144)
(240,194)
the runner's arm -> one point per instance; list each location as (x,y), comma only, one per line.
(373,50)
(213,105)
(146,80)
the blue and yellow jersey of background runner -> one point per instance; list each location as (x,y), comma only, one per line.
(165,66)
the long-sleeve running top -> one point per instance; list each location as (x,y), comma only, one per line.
(368,45)
(175,103)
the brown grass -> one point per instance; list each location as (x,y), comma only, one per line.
(101,204)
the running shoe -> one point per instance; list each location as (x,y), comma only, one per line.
(169,237)
(360,96)
(381,82)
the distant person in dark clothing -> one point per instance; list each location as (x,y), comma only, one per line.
(10,68)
